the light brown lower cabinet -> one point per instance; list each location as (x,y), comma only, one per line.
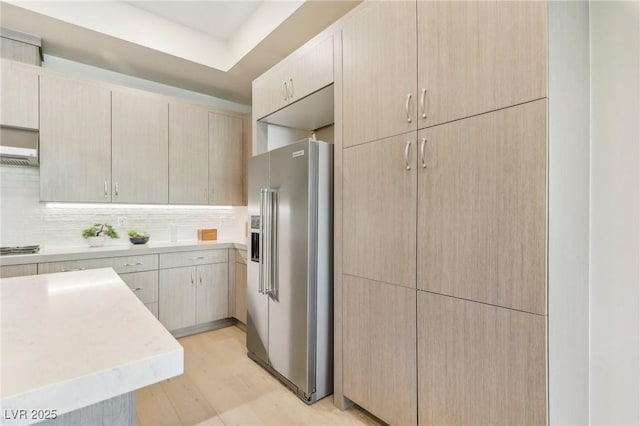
(241,292)
(479,364)
(193,295)
(212,292)
(11,271)
(379,349)
(145,286)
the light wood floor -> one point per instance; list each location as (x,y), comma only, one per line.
(222,386)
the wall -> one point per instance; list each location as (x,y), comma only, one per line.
(568,225)
(25,221)
(615,214)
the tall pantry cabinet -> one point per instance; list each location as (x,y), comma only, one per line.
(462,216)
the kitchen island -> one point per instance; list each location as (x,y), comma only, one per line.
(75,347)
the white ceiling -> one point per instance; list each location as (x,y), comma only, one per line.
(211,47)
(219,19)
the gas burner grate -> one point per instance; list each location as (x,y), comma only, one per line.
(19,250)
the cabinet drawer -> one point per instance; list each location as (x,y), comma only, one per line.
(123,264)
(153,307)
(143,284)
(241,256)
(18,270)
(189,258)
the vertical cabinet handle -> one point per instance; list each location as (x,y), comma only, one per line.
(117,189)
(290,88)
(106,189)
(422,158)
(406,155)
(200,277)
(422,102)
(192,277)
(406,107)
(285,91)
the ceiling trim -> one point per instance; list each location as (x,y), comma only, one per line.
(124,21)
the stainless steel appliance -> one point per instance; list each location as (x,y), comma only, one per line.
(289,275)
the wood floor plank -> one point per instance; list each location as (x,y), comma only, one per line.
(222,386)
(188,402)
(153,407)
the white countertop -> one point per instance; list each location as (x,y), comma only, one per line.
(76,338)
(86,252)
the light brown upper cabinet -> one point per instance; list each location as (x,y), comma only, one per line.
(269,93)
(140,148)
(478,56)
(19,95)
(293,79)
(312,71)
(379,72)
(75,141)
(225,160)
(188,154)
(379,212)
(482,208)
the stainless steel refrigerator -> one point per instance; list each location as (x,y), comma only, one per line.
(290,272)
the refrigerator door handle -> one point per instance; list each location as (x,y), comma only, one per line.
(261,253)
(273,242)
(267,241)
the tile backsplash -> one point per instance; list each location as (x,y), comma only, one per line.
(24,220)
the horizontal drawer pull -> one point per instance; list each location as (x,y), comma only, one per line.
(136,289)
(71,270)
(132,264)
(196,258)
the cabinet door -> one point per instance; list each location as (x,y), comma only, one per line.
(482,208)
(188,154)
(479,56)
(479,364)
(140,148)
(312,71)
(225,159)
(177,297)
(143,284)
(379,349)
(75,141)
(271,91)
(379,69)
(19,95)
(10,271)
(212,302)
(241,292)
(379,221)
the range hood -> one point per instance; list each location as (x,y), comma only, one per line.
(18,147)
